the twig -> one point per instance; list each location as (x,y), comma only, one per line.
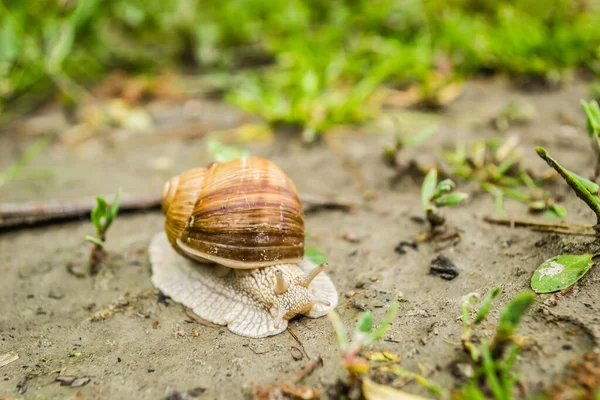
(313,202)
(562,228)
(308,369)
(19,215)
(291,332)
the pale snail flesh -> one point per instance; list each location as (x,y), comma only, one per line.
(244,216)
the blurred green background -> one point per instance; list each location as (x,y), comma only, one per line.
(304,62)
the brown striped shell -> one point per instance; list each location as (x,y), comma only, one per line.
(243,214)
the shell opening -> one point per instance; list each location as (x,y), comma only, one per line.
(168,193)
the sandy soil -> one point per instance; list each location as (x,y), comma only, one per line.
(136,353)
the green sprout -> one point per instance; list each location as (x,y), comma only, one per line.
(402,141)
(494,361)
(435,195)
(497,167)
(102,217)
(363,336)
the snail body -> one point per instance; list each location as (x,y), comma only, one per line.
(233,248)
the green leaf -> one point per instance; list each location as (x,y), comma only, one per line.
(10,41)
(61,48)
(385,324)
(365,322)
(560,272)
(592,187)
(451,199)
(512,313)
(580,190)
(100,211)
(490,371)
(592,111)
(421,136)
(114,208)
(447,185)
(486,304)
(467,301)
(559,210)
(515,194)
(498,197)
(428,188)
(94,240)
(315,255)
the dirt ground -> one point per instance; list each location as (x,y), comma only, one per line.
(45,310)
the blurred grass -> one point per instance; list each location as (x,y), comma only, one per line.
(303,62)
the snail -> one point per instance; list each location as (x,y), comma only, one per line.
(233,248)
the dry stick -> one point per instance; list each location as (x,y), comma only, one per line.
(566,229)
(308,369)
(18,215)
(291,332)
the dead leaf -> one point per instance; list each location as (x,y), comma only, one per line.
(375,391)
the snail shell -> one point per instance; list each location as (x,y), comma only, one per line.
(242,214)
(245,216)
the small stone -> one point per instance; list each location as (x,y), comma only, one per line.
(444,268)
(360,284)
(80,382)
(56,294)
(65,380)
(400,247)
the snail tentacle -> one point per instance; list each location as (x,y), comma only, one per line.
(281,285)
(308,278)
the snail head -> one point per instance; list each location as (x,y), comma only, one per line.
(292,294)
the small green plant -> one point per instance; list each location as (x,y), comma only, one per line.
(496,165)
(363,336)
(402,141)
(435,195)
(102,217)
(494,360)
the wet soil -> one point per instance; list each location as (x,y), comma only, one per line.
(145,348)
